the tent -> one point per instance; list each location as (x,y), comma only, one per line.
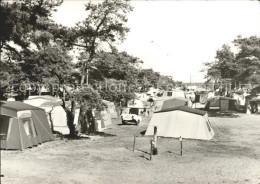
(52,107)
(23,125)
(170,103)
(240,97)
(181,121)
(174,102)
(221,103)
(111,108)
(103,119)
(203,96)
(252,104)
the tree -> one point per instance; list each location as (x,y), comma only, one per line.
(242,67)
(248,59)
(224,66)
(105,23)
(148,78)
(18,22)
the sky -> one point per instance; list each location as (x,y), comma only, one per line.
(176,37)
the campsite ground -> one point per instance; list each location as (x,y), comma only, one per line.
(233,156)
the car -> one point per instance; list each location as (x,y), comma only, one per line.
(130,118)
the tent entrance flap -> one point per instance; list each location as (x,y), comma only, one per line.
(4,127)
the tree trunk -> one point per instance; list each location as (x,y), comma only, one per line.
(86,121)
(70,114)
(82,121)
(51,119)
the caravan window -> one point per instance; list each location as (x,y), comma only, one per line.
(169,93)
(29,127)
(4,124)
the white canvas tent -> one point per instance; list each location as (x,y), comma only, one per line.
(111,109)
(181,121)
(52,106)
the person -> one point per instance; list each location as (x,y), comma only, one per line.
(249,109)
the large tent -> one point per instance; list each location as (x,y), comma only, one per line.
(221,103)
(182,122)
(23,125)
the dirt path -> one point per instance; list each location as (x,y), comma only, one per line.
(232,157)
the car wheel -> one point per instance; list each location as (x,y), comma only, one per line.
(123,122)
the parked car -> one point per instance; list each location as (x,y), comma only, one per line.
(130,118)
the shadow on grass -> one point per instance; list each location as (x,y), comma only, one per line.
(127,124)
(142,156)
(102,134)
(174,153)
(143,151)
(143,132)
(85,136)
(229,114)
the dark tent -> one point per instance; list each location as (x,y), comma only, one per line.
(174,102)
(23,125)
(221,103)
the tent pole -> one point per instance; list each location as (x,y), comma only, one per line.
(155,150)
(181,144)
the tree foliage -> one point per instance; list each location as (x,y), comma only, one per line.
(105,24)
(243,67)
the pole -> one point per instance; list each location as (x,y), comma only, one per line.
(155,150)
(181,144)
(134,144)
(151,152)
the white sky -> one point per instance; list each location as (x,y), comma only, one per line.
(176,37)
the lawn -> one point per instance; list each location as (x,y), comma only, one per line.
(233,156)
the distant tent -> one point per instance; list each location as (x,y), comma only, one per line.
(181,121)
(254,102)
(221,103)
(23,125)
(105,118)
(171,103)
(158,105)
(174,102)
(111,108)
(203,96)
(240,97)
